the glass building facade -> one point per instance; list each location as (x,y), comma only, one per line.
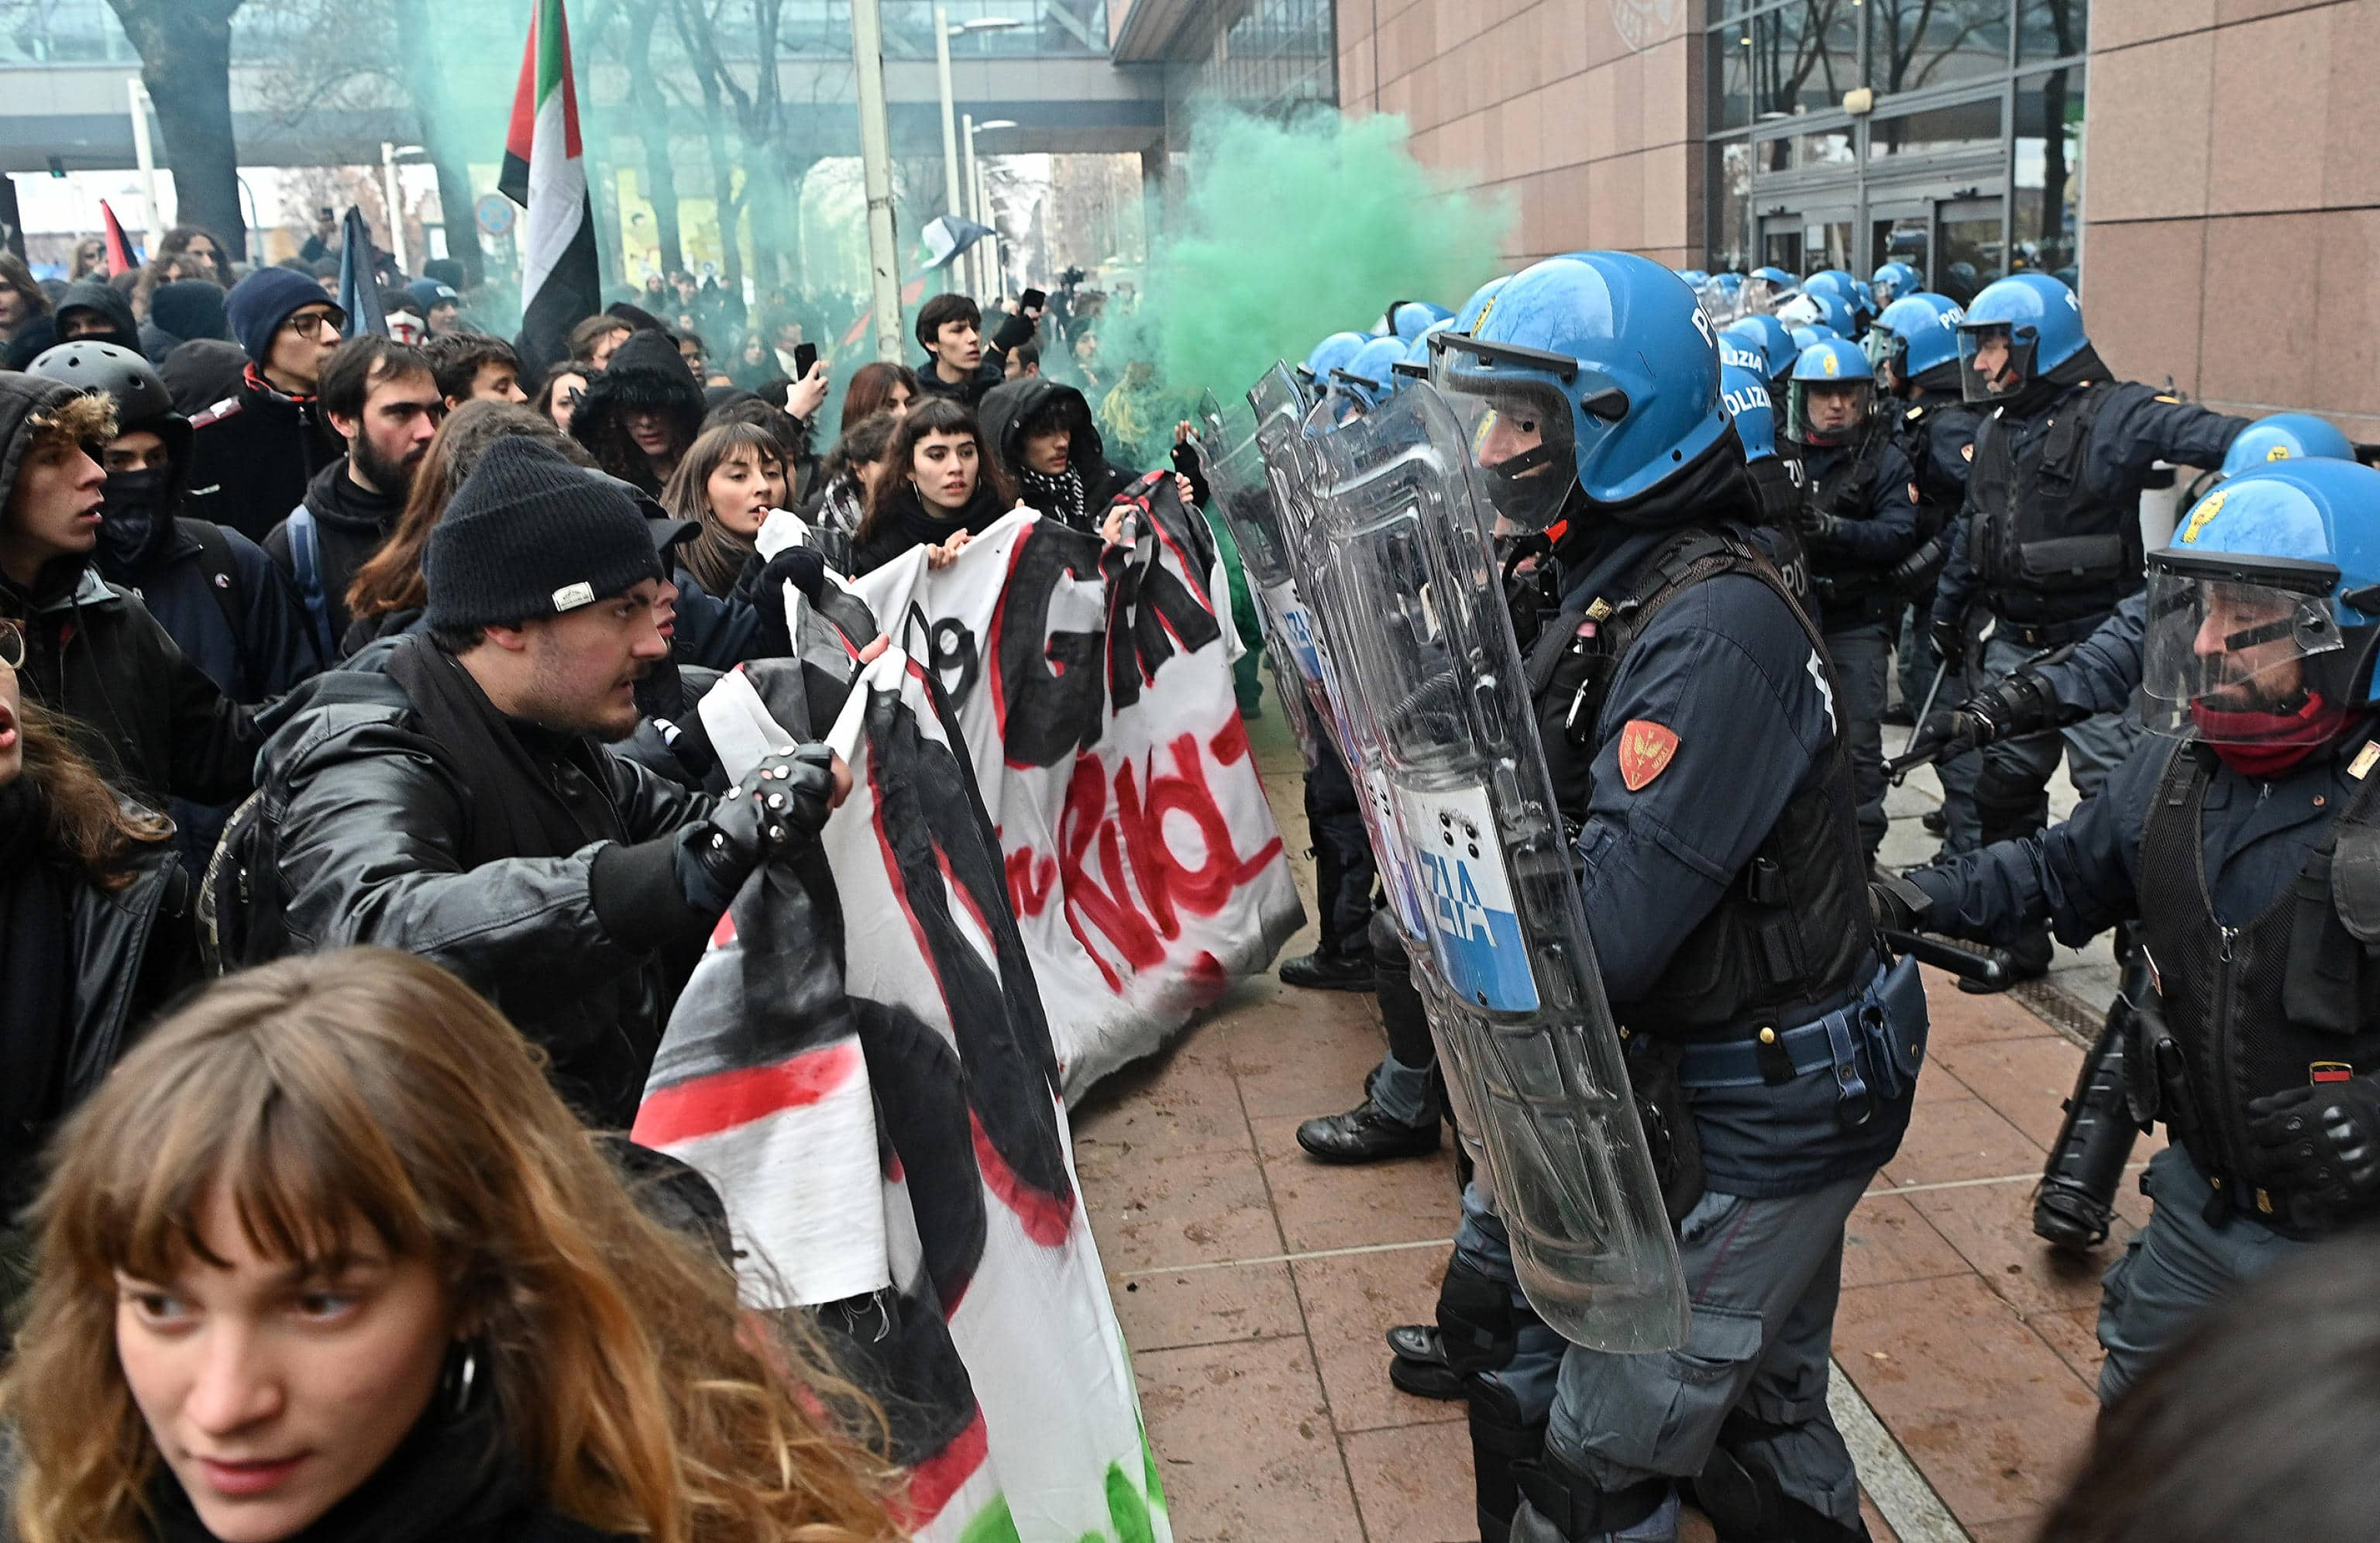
(1967,163)
(1275,58)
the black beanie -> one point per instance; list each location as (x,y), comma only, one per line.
(531,534)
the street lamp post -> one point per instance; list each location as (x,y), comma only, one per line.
(943,32)
(876,166)
(980,209)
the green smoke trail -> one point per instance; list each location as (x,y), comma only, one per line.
(1282,234)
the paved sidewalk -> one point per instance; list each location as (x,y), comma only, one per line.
(1253,1283)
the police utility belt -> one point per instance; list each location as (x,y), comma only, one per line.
(1871,1046)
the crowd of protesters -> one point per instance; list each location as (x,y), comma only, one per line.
(352,667)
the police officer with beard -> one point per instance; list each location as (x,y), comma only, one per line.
(1859,520)
(2245,846)
(1691,726)
(2049,541)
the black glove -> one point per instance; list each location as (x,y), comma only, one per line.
(1819,529)
(1947,733)
(2322,1141)
(2012,704)
(1015,328)
(1947,635)
(805,569)
(779,805)
(1896,904)
(1185,461)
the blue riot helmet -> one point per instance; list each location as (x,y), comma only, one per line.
(2287,436)
(1894,281)
(1366,381)
(1481,298)
(1410,319)
(1832,392)
(1818,308)
(2017,330)
(1808,337)
(1766,288)
(1694,278)
(1723,298)
(1916,334)
(1597,373)
(1414,365)
(1776,479)
(1329,354)
(1774,340)
(2262,614)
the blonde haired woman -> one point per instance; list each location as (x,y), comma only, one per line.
(326,1257)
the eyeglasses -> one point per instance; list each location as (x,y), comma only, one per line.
(12,644)
(309,324)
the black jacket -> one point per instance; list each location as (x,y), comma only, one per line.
(967,394)
(373,833)
(646,372)
(1007,407)
(906,524)
(254,456)
(248,634)
(351,522)
(110,302)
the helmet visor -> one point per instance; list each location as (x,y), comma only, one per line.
(1828,412)
(2224,657)
(1762,297)
(1994,362)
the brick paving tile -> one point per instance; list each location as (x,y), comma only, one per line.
(1959,1019)
(2074,1335)
(1888,1240)
(1244,1445)
(1307,1053)
(1184,1102)
(1988,1413)
(2025,1079)
(1413,1485)
(1962,1139)
(1206,1306)
(1322,1207)
(1192,1208)
(2023,1529)
(1991,1226)
(1348,1301)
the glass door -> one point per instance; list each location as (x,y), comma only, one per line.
(1804,241)
(1970,239)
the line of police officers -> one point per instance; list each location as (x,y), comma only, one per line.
(1707,631)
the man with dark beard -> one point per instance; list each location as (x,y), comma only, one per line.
(463,807)
(382,398)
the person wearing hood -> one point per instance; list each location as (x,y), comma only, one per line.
(383,397)
(97,311)
(641,412)
(2048,542)
(1042,435)
(153,722)
(442,308)
(179,312)
(255,451)
(201,372)
(940,488)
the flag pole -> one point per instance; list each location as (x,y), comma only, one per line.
(876,160)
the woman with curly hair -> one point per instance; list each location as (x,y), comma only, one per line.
(327,1258)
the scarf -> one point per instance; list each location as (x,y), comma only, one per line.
(2265,745)
(514,811)
(1061,497)
(451,1479)
(904,522)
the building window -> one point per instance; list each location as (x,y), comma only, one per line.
(1920,43)
(1937,130)
(2051,29)
(2046,216)
(1804,56)
(1730,182)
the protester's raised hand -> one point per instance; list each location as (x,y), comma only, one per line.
(806,396)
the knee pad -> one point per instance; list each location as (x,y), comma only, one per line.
(1559,1504)
(1740,1494)
(1502,1441)
(1479,1320)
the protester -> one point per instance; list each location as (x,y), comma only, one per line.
(592,341)
(958,367)
(89,259)
(875,388)
(790,435)
(785,338)
(179,312)
(149,277)
(754,362)
(98,310)
(20,299)
(1024,361)
(91,937)
(941,488)
(388,593)
(440,307)
(693,350)
(201,246)
(474,367)
(845,484)
(640,413)
(383,401)
(327,1209)
(728,483)
(151,720)
(201,372)
(461,806)
(559,398)
(1042,435)
(256,451)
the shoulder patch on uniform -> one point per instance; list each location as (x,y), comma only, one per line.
(1646,750)
(229,407)
(2173,399)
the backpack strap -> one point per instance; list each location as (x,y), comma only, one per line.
(305,557)
(221,568)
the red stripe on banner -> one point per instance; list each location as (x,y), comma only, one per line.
(1047,1219)
(724,935)
(707,1105)
(934,1481)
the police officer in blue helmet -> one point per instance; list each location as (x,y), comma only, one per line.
(1692,725)
(1332,353)
(1774,342)
(1766,288)
(1481,298)
(2239,841)
(1823,308)
(1893,280)
(2050,540)
(1367,376)
(1859,520)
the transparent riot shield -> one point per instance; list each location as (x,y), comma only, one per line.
(1398,561)
(1225,441)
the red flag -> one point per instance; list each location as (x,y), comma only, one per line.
(911,293)
(119,250)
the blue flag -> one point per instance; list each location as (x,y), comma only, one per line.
(359,285)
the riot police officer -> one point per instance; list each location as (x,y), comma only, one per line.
(1691,725)
(1859,520)
(2050,540)
(2076,1203)
(2243,843)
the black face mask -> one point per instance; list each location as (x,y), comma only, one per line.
(136,504)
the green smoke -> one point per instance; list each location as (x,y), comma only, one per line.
(1284,234)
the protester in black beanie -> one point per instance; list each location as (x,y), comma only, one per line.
(528,534)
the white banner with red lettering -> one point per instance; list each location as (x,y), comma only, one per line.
(1093,686)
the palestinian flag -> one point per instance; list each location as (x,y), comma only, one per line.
(545,173)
